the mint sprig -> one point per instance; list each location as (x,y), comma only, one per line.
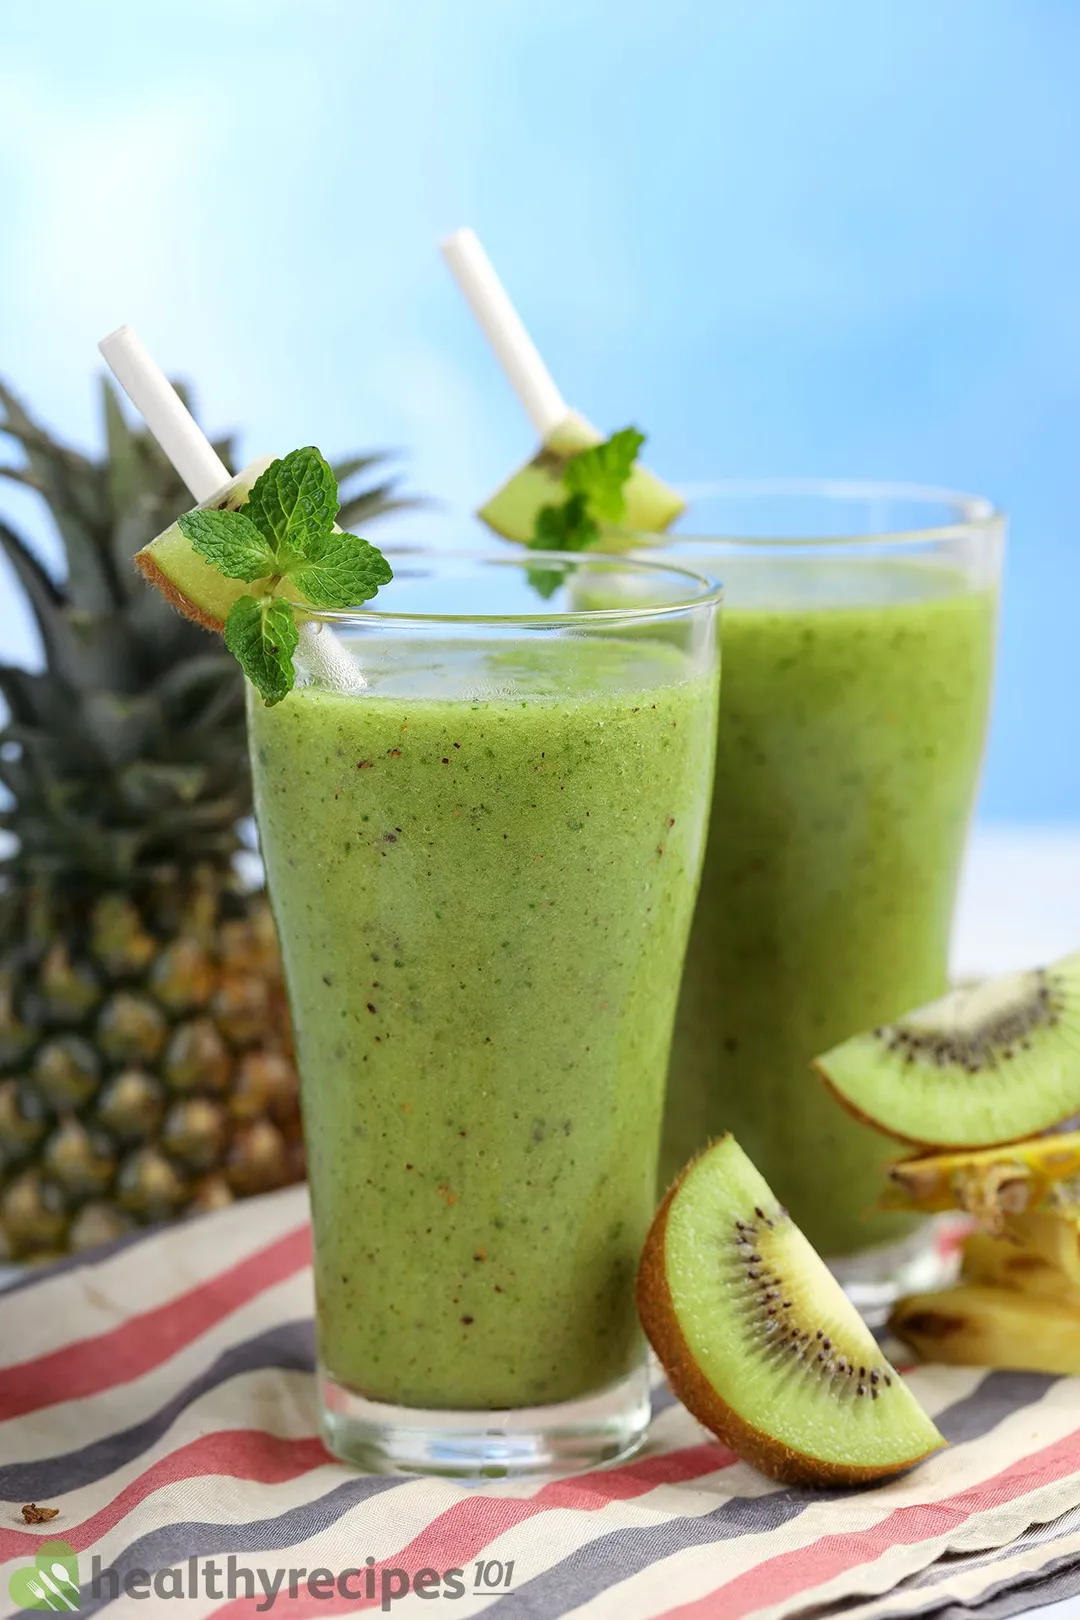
(284,538)
(595,480)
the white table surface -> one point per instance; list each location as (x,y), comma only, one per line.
(1020,899)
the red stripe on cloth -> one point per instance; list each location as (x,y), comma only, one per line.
(456,1537)
(247,1454)
(89,1366)
(800,1573)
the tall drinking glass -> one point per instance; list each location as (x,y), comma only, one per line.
(483,816)
(859,629)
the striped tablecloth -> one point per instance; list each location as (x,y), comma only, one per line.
(160,1396)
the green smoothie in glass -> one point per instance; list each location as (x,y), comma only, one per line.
(856,689)
(483,814)
(483,865)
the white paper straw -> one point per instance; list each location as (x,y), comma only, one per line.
(164,413)
(204,473)
(505,331)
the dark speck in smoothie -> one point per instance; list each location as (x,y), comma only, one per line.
(364,764)
(468,1320)
(327,980)
(371,1007)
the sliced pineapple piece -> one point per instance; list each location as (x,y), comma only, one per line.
(1041,1176)
(1007,1263)
(979,1326)
(1055,1237)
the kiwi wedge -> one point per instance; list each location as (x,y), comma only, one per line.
(988,1063)
(759,1340)
(979,1326)
(651,505)
(170,562)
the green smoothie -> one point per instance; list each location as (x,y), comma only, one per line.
(483,869)
(851,730)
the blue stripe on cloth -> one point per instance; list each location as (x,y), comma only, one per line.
(614,1557)
(289,1347)
(173,1543)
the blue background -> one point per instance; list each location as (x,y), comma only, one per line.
(785,236)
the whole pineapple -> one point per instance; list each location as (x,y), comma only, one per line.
(145,1062)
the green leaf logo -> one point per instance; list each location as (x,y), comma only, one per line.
(51,1583)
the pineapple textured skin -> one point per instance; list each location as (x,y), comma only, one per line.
(146,1066)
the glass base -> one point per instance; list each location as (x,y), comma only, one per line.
(535,1441)
(875,1279)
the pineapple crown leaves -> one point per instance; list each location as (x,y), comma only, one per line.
(284,536)
(127,750)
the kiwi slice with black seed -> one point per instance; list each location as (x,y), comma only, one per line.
(759,1340)
(988,1063)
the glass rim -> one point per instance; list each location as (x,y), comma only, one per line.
(711,594)
(976,514)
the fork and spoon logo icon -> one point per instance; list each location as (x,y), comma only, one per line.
(51,1582)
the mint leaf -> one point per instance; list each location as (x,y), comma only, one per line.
(294,504)
(601,472)
(261,634)
(229,542)
(340,571)
(568,527)
(545,581)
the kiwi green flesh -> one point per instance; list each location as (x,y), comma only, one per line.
(191,584)
(651,505)
(768,1351)
(987,1064)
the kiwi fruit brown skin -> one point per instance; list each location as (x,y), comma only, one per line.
(150,571)
(659,1319)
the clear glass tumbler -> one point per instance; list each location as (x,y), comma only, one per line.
(859,630)
(483,816)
